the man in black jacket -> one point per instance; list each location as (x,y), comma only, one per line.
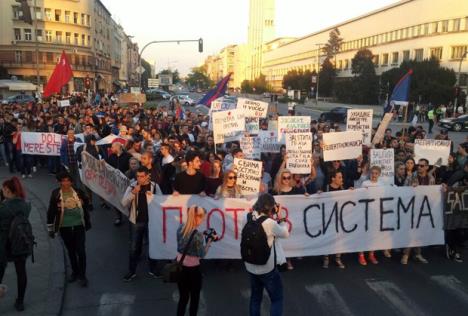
(68,214)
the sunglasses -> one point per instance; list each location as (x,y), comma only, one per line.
(232,178)
(286,178)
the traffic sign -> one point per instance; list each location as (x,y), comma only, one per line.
(140,70)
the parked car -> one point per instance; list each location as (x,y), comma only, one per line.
(185,100)
(456,123)
(19,98)
(336,115)
(154,94)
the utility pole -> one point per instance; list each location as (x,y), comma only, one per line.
(455,104)
(318,71)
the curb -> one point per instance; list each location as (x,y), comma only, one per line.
(57,284)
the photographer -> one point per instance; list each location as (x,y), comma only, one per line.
(262,255)
(191,279)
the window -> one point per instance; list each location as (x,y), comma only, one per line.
(466,24)
(18,57)
(384,59)
(76,36)
(456,25)
(28,57)
(435,27)
(88,18)
(17,14)
(39,35)
(38,13)
(376,60)
(67,16)
(50,57)
(83,39)
(75,17)
(395,58)
(416,31)
(48,36)
(458,51)
(18,34)
(48,14)
(418,54)
(27,35)
(68,37)
(58,13)
(436,52)
(58,36)
(426,29)
(340,64)
(83,19)
(445,26)
(346,65)
(89,40)
(406,55)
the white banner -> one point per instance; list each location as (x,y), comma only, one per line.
(46,144)
(104,180)
(249,175)
(360,120)
(226,122)
(342,145)
(385,159)
(252,125)
(253,108)
(63,103)
(269,141)
(334,222)
(432,150)
(299,150)
(251,146)
(292,124)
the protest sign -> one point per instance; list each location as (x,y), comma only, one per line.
(273,125)
(292,124)
(331,222)
(379,135)
(299,151)
(225,122)
(219,105)
(456,208)
(251,147)
(252,125)
(360,120)
(269,142)
(342,145)
(249,175)
(253,108)
(385,159)
(432,150)
(63,103)
(46,144)
(132,98)
(104,180)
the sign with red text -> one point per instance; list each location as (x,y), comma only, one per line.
(360,120)
(252,125)
(342,145)
(385,159)
(104,180)
(269,141)
(249,175)
(299,151)
(226,122)
(292,124)
(253,108)
(331,222)
(44,144)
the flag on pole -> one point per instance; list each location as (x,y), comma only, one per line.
(216,92)
(60,77)
(400,94)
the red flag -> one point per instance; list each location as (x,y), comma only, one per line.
(60,77)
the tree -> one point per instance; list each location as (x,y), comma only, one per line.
(429,82)
(145,75)
(258,85)
(175,74)
(332,47)
(327,77)
(199,79)
(297,80)
(246,87)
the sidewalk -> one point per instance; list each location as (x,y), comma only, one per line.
(46,277)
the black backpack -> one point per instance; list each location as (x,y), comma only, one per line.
(254,242)
(20,238)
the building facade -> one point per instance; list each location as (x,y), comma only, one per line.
(81,28)
(409,29)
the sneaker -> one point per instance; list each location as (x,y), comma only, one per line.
(6,164)
(373,259)
(117,222)
(404,259)
(340,264)
(129,276)
(23,176)
(362,260)
(29,176)
(154,275)
(34,169)
(420,259)
(448,252)
(458,258)
(290,266)
(19,306)
(326,261)
(387,254)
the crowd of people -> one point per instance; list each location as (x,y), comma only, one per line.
(166,151)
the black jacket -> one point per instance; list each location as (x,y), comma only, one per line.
(120,162)
(54,213)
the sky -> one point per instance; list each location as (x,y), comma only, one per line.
(220,23)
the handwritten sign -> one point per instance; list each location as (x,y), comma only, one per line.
(273,125)
(63,103)
(253,108)
(252,125)
(251,147)
(342,145)
(379,135)
(385,159)
(456,208)
(269,141)
(432,150)
(46,144)
(249,175)
(293,124)
(299,150)
(226,122)
(360,120)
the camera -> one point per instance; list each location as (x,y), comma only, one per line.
(210,234)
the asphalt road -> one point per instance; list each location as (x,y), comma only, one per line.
(438,288)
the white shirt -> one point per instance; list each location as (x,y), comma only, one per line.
(369,183)
(272,230)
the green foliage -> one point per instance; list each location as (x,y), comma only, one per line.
(298,80)
(259,85)
(327,77)
(429,81)
(199,79)
(175,74)
(332,47)
(246,87)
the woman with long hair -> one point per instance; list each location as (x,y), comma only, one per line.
(13,204)
(191,279)
(214,180)
(229,188)
(410,167)
(284,184)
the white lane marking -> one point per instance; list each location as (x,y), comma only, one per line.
(202,311)
(395,297)
(453,286)
(115,304)
(330,301)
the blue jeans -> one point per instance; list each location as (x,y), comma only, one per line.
(26,164)
(272,283)
(3,153)
(138,233)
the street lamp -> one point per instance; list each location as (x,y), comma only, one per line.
(458,80)
(318,70)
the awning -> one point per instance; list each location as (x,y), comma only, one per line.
(17,85)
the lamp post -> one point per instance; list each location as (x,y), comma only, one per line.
(318,70)
(455,104)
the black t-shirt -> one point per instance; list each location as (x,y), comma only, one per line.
(294,191)
(331,189)
(187,184)
(142,204)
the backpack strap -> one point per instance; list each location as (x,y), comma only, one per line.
(184,253)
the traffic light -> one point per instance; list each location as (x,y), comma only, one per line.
(200,45)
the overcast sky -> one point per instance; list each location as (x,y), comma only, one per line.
(220,23)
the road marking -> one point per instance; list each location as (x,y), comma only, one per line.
(395,297)
(201,304)
(330,301)
(115,304)
(453,286)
